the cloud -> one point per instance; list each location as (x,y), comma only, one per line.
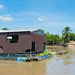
(1,6)
(6,18)
(7,15)
(40,19)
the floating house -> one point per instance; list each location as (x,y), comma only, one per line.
(20,41)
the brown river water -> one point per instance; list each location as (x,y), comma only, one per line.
(57,65)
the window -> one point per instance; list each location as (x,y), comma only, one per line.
(14,39)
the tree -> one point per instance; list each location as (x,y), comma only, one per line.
(43,30)
(52,39)
(56,39)
(5,28)
(48,38)
(66,34)
(72,36)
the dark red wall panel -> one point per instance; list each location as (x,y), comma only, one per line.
(24,43)
(39,40)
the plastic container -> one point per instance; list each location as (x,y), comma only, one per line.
(21,59)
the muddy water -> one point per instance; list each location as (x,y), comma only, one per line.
(57,65)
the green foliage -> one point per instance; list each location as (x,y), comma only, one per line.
(5,28)
(66,34)
(72,36)
(53,39)
(48,41)
(52,54)
(46,52)
(68,52)
(43,30)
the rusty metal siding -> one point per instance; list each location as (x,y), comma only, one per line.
(39,41)
(24,42)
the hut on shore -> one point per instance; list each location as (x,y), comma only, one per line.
(20,41)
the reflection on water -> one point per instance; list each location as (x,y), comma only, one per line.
(57,65)
(61,65)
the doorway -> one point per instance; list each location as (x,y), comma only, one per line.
(44,45)
(1,49)
(33,46)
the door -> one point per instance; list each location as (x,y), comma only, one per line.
(44,45)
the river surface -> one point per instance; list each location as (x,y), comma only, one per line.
(57,65)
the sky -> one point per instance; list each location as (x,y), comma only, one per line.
(51,15)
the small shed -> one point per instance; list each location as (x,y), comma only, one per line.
(20,41)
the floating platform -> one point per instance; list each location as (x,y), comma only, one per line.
(29,57)
(33,58)
(14,56)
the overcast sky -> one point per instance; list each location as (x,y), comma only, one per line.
(50,15)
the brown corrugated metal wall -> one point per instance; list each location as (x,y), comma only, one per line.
(24,42)
(39,41)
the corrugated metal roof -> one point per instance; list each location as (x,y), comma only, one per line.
(23,30)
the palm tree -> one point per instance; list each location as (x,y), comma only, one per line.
(66,34)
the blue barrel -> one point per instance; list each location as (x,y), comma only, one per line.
(42,57)
(21,59)
(47,56)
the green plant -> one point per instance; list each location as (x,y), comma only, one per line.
(68,52)
(46,52)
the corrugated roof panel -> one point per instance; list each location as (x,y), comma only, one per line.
(23,30)
(37,31)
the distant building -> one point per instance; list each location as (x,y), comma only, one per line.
(20,41)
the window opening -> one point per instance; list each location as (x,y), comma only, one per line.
(14,39)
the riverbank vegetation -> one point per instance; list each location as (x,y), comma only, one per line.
(55,39)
